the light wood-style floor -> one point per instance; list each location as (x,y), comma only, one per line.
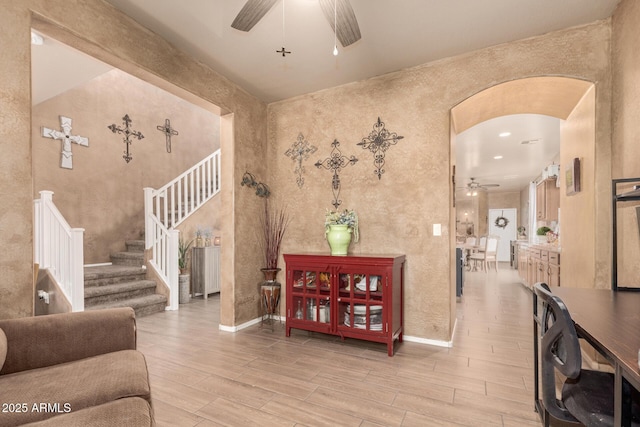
(203,377)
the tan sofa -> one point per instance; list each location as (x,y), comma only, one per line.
(73,369)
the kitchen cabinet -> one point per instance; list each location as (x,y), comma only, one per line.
(539,263)
(547,200)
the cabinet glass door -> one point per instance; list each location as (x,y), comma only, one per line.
(360,303)
(311,291)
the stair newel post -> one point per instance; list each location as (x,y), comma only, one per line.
(46,200)
(172,268)
(149,227)
(77,269)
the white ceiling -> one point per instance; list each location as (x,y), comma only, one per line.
(520,163)
(395,35)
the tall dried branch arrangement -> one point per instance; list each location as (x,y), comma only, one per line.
(273,225)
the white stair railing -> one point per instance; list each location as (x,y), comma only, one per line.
(59,248)
(170,205)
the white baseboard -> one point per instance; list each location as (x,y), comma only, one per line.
(409,338)
(427,341)
(103,264)
(244,325)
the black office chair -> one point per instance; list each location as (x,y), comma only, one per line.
(587,396)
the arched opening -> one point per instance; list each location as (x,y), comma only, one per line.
(226,138)
(573,101)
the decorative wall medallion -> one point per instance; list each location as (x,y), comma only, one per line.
(262,190)
(128,133)
(299,151)
(66,156)
(378,142)
(335,162)
(168,131)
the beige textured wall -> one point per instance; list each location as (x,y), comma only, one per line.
(577,211)
(102,193)
(482,229)
(398,211)
(466,214)
(507,199)
(98,29)
(626,133)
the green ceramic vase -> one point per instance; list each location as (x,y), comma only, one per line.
(339,238)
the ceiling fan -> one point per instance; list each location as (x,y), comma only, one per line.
(473,186)
(339,12)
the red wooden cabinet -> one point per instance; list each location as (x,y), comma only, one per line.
(350,296)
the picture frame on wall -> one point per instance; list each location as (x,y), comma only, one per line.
(572,177)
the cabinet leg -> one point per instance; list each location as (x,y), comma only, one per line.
(287,331)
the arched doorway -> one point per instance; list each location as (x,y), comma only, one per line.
(573,101)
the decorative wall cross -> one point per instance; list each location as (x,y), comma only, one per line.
(127,135)
(168,131)
(378,142)
(335,162)
(299,151)
(66,156)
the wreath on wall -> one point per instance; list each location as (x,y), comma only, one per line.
(501,222)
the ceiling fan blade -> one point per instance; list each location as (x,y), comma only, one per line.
(348,30)
(251,13)
(490,185)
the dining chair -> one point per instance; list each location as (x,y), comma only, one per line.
(482,243)
(587,396)
(470,241)
(487,255)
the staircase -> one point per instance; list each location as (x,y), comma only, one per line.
(123,283)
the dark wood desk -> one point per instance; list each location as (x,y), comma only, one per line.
(610,321)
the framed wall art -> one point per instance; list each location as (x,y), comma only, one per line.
(572,177)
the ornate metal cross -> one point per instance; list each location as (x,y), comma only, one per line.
(127,135)
(168,131)
(335,162)
(299,151)
(66,156)
(378,142)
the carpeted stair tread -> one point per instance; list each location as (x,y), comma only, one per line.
(111,274)
(142,305)
(128,258)
(93,291)
(135,245)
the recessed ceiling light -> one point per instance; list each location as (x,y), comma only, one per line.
(497,157)
(504,134)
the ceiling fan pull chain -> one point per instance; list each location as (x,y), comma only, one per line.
(283,51)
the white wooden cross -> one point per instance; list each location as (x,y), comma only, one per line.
(66,157)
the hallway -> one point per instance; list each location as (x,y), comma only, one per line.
(202,376)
